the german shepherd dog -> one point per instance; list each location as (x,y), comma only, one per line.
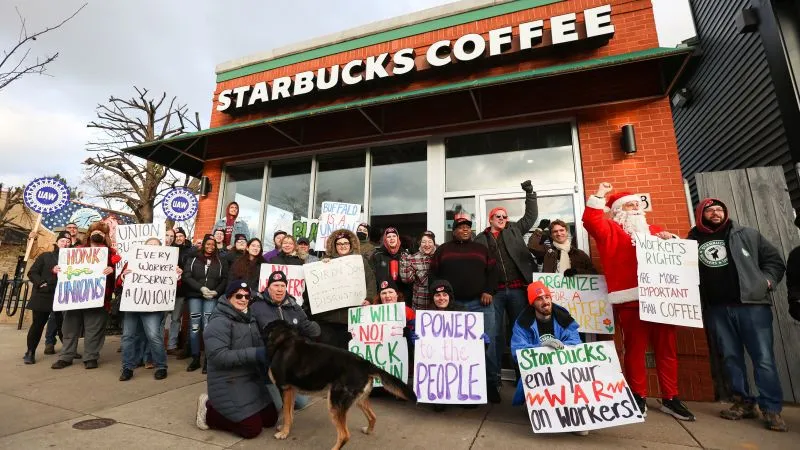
(299,365)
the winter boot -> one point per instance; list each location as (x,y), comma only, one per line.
(195,364)
(29,358)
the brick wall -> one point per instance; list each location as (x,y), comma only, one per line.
(207,209)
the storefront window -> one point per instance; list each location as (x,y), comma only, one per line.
(243,185)
(550,208)
(501,159)
(340,178)
(287,196)
(455,208)
(398,191)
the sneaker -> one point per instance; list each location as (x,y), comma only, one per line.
(172,351)
(160,374)
(205,366)
(29,358)
(149,365)
(739,410)
(641,403)
(677,409)
(90,364)
(60,364)
(494,394)
(201,412)
(49,349)
(126,375)
(194,365)
(78,356)
(775,422)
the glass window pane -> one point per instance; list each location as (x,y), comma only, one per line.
(340,178)
(455,208)
(505,158)
(243,185)
(287,196)
(398,192)
(551,208)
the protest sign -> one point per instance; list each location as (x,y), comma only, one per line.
(578,388)
(335,216)
(306,228)
(153,281)
(295,278)
(449,358)
(339,283)
(81,283)
(669,281)
(585,297)
(378,337)
(129,235)
(277,219)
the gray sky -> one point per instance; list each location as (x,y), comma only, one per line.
(170,46)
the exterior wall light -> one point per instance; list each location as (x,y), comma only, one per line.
(628,140)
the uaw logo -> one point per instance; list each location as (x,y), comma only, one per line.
(46,195)
(179,204)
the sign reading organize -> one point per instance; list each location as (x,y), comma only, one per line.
(81,283)
(378,337)
(46,195)
(295,277)
(669,281)
(338,283)
(179,204)
(585,297)
(578,388)
(449,358)
(152,284)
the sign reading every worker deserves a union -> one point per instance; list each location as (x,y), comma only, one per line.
(378,337)
(577,388)
(153,280)
(449,358)
(669,281)
(585,297)
(81,283)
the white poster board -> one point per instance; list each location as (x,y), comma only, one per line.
(449,358)
(129,235)
(585,297)
(378,337)
(335,216)
(81,283)
(339,283)
(276,219)
(578,388)
(295,279)
(153,280)
(669,281)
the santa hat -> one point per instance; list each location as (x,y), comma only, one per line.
(616,201)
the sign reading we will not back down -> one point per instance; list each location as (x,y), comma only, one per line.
(378,337)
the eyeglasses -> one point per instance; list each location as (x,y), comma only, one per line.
(241,296)
(715,209)
(500,216)
(343,244)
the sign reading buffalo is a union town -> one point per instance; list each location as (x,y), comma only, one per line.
(527,36)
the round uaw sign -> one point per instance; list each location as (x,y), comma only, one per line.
(179,204)
(46,195)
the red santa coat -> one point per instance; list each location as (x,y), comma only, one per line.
(617,252)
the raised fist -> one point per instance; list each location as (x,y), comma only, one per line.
(527,186)
(543,224)
(604,189)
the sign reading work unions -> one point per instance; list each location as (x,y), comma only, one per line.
(526,36)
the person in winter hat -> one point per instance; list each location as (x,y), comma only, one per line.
(442,297)
(367,247)
(231,225)
(304,251)
(385,261)
(277,239)
(738,269)
(238,250)
(414,270)
(614,238)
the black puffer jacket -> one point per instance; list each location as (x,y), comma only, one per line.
(44,281)
(196,276)
(381,260)
(286,260)
(266,311)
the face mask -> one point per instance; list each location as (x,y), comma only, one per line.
(97,238)
(361,236)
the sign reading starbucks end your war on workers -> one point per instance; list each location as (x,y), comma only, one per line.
(577,388)
(378,337)
(669,281)
(585,297)
(81,283)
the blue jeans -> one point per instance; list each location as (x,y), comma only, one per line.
(200,310)
(131,344)
(174,323)
(490,328)
(53,327)
(748,327)
(511,302)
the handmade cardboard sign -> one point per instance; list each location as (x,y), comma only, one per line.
(295,277)
(335,216)
(449,358)
(669,281)
(81,283)
(153,280)
(129,235)
(578,388)
(338,283)
(585,297)
(378,337)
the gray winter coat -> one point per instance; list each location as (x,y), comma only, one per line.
(239,227)
(266,312)
(514,238)
(236,381)
(756,261)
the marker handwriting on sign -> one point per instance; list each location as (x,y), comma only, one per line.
(454,326)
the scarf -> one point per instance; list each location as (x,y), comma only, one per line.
(563,259)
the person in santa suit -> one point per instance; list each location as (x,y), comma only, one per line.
(614,239)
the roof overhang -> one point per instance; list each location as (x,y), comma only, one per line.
(611,79)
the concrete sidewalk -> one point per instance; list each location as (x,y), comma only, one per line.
(38,407)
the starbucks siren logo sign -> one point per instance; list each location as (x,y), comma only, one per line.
(179,204)
(46,195)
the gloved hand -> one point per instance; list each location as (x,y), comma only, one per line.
(570,272)
(527,186)
(543,224)
(794,309)
(261,360)
(486,339)
(206,292)
(214,294)
(414,336)
(553,343)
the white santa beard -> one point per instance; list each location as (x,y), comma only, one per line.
(632,221)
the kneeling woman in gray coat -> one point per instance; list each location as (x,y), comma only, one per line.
(237,399)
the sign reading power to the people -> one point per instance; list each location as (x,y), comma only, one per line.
(179,204)
(46,195)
